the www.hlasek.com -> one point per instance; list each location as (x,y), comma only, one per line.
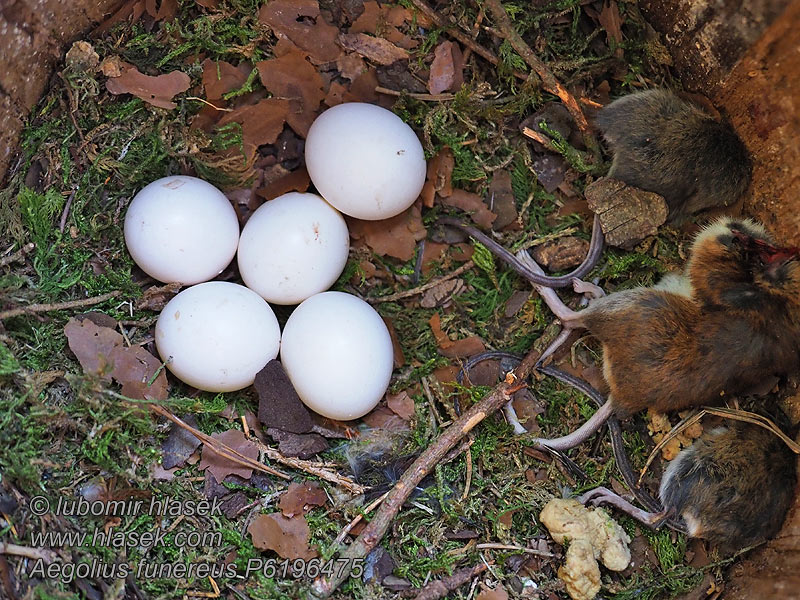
(104,537)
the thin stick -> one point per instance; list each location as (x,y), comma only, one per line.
(41,308)
(439,588)
(217,446)
(358,518)
(462,37)
(323,587)
(415,96)
(549,81)
(18,255)
(492,546)
(207,103)
(311,469)
(541,138)
(63,223)
(32,553)
(425,287)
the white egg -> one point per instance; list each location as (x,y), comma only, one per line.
(181,229)
(338,354)
(293,247)
(216,336)
(365,160)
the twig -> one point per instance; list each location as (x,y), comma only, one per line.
(18,255)
(207,103)
(423,288)
(462,37)
(32,553)
(323,587)
(358,518)
(492,546)
(541,138)
(312,469)
(549,80)
(63,223)
(220,448)
(40,308)
(441,587)
(414,95)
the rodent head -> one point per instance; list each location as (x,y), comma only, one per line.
(736,263)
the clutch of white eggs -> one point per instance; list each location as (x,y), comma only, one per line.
(216,336)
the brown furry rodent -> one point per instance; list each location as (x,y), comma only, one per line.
(667,145)
(732,487)
(730,320)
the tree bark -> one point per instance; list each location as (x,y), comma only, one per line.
(34,34)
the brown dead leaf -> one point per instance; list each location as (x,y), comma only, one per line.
(396,236)
(219,466)
(384,418)
(401,404)
(93,346)
(102,351)
(302,445)
(335,95)
(156,297)
(611,21)
(446,69)
(165,12)
(442,339)
(279,406)
(498,593)
(454,349)
(438,179)
(464,348)
(527,407)
(293,78)
(376,49)
(220,77)
(363,90)
(134,367)
(158,90)
(261,123)
(384,21)
(301,22)
(301,498)
(550,169)
(288,537)
(296,181)
(442,293)
(501,200)
(179,445)
(445,375)
(627,214)
(472,204)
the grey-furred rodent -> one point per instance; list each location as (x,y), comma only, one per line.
(667,145)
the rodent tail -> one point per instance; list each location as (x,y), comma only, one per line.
(581,434)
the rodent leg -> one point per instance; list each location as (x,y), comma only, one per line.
(554,345)
(601,495)
(561,310)
(587,288)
